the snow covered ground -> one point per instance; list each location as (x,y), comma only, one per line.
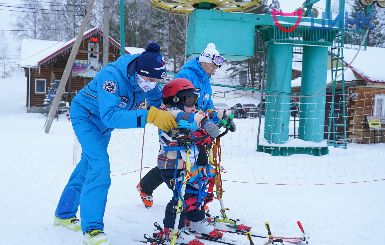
(339,197)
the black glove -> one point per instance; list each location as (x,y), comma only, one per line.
(227,122)
(232,126)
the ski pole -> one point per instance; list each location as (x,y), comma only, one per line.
(179,208)
(270,236)
(248,235)
(141,159)
(216,159)
(303,232)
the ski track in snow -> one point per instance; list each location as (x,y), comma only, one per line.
(35,167)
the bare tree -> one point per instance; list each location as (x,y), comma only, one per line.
(29,20)
(51,26)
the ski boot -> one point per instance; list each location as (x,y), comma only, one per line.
(71,223)
(163,234)
(195,242)
(206,227)
(146,199)
(95,237)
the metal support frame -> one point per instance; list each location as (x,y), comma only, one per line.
(337,128)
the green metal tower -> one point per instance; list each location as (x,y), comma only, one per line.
(337,135)
(235,33)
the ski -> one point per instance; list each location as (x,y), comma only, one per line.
(295,240)
(208,238)
(231,223)
(214,236)
(155,241)
(151,243)
(241,229)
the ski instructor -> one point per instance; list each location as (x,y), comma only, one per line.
(111,100)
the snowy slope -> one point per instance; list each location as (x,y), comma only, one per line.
(35,167)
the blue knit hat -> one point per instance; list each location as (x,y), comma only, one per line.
(151,63)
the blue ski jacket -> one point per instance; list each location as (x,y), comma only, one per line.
(114,97)
(193,71)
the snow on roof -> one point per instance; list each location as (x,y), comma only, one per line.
(134,50)
(348,75)
(34,50)
(368,63)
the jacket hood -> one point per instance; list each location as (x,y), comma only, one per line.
(196,67)
(123,62)
(125,65)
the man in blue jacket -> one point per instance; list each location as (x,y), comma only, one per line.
(199,71)
(113,99)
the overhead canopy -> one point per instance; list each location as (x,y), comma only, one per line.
(187,6)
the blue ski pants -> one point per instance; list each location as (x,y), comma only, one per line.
(89,182)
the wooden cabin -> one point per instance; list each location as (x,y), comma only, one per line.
(44,62)
(364,93)
(366,103)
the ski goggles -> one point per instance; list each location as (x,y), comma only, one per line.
(188,100)
(218,60)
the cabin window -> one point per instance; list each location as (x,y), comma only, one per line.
(379,105)
(40,86)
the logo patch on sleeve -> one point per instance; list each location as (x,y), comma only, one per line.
(109,86)
(123,101)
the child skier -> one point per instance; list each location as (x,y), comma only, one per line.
(180,99)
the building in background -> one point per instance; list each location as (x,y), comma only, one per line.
(44,62)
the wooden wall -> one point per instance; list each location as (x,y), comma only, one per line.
(54,70)
(359,108)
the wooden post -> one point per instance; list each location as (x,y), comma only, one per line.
(68,68)
(106,31)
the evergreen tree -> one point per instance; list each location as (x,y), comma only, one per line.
(274,5)
(358,26)
(143,24)
(51,92)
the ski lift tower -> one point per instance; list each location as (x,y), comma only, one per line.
(236,32)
